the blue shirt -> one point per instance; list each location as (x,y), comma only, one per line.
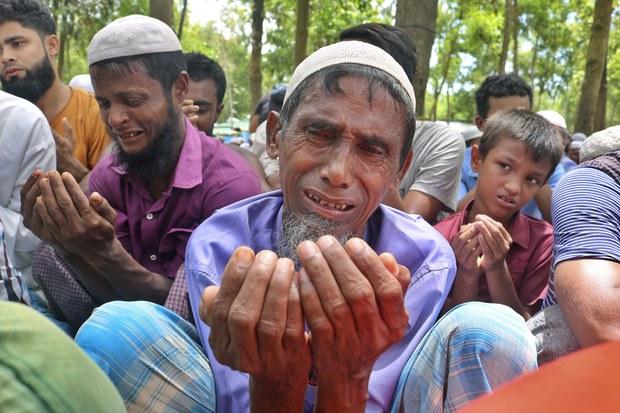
(256,223)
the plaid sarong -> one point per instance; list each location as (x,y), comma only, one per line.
(152,356)
(469,352)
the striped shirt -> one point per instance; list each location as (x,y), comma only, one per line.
(586,219)
(12,286)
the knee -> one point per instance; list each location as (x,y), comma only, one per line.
(111,331)
(490,330)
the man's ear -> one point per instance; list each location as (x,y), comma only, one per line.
(405,167)
(274,134)
(480,122)
(52,45)
(218,111)
(476,157)
(180,88)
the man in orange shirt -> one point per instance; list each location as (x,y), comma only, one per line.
(28,48)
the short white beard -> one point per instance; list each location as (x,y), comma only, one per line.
(298,228)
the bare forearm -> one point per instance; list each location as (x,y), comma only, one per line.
(91,279)
(543,201)
(286,398)
(502,289)
(425,205)
(346,395)
(588,292)
(74,167)
(465,289)
(128,277)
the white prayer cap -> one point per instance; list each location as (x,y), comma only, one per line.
(350,51)
(131,36)
(554,118)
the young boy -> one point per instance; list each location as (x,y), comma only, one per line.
(504,256)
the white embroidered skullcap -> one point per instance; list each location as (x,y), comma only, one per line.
(554,118)
(350,51)
(131,36)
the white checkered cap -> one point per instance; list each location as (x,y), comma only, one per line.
(350,51)
(131,36)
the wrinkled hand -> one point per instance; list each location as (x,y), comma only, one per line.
(466,248)
(29,194)
(74,222)
(256,319)
(65,145)
(494,242)
(353,302)
(190,110)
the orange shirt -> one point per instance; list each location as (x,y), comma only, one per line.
(89,132)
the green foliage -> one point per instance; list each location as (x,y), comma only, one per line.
(553,38)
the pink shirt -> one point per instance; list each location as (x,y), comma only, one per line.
(529,257)
(208,176)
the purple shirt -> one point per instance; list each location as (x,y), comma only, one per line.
(208,176)
(256,223)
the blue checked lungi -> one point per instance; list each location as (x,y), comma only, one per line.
(470,351)
(154,358)
(152,355)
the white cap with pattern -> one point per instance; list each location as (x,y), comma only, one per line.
(131,36)
(350,51)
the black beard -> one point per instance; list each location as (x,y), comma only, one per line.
(159,157)
(37,81)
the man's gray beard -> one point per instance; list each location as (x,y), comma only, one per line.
(297,228)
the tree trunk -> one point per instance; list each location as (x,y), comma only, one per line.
(419,19)
(256,76)
(301,30)
(601,106)
(595,63)
(515,37)
(503,56)
(532,70)
(161,10)
(444,76)
(182,20)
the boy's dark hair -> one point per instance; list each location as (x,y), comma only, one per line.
(391,39)
(164,67)
(201,67)
(499,86)
(32,14)
(535,132)
(276,98)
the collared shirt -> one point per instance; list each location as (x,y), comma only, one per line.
(256,223)
(208,176)
(528,259)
